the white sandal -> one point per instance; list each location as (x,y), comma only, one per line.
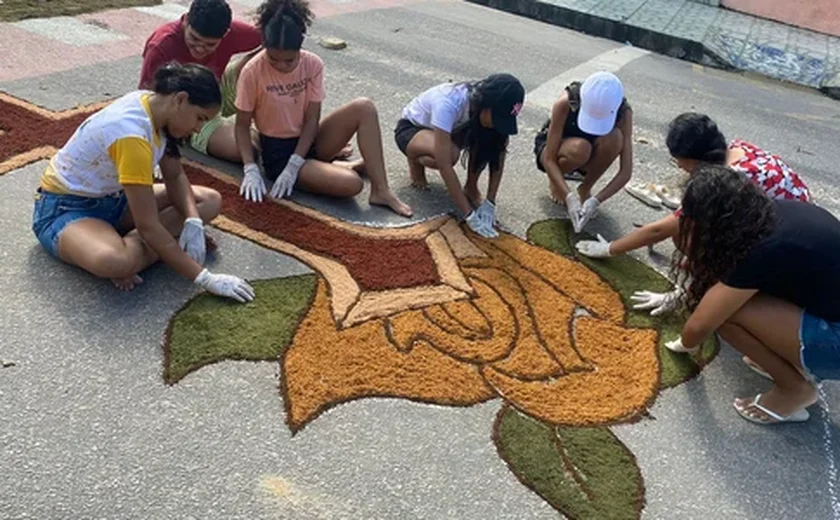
(645,193)
(669,198)
(800,415)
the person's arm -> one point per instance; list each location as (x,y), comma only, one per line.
(178,187)
(647,235)
(309,132)
(144,211)
(625,168)
(495,178)
(443,159)
(559,113)
(718,304)
(242,133)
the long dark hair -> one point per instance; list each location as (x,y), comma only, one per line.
(481,146)
(696,136)
(284,23)
(197,81)
(724,215)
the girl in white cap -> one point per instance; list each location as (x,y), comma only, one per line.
(590,126)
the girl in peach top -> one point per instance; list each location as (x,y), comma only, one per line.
(281,90)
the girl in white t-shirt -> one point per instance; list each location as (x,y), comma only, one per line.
(474,118)
(97,206)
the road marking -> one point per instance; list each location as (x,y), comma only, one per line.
(611,61)
(71,31)
(830,456)
(165,11)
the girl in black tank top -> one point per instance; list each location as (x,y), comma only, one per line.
(589,128)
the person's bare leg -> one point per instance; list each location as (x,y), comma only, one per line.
(130,250)
(766,329)
(222,143)
(360,117)
(325,178)
(421,155)
(604,153)
(573,154)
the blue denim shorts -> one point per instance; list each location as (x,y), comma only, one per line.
(53,212)
(819,351)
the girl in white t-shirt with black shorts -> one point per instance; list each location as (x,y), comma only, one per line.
(474,118)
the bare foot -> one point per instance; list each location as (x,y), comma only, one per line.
(418,176)
(392,201)
(128,283)
(357,166)
(210,244)
(345,152)
(782,402)
(555,195)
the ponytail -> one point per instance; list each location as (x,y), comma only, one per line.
(284,23)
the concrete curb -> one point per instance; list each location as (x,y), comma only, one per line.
(661,43)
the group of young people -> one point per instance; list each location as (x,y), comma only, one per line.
(756,261)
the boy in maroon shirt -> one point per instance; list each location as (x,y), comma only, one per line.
(207,35)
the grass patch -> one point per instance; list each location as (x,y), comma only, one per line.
(16,10)
(586,473)
(209,329)
(627,275)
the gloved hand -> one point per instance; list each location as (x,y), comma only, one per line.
(482,227)
(252,187)
(192,239)
(285,183)
(659,302)
(589,209)
(487,212)
(573,209)
(225,285)
(158,175)
(677,346)
(594,248)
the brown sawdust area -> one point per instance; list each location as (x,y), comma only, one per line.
(16,10)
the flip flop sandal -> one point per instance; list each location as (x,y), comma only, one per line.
(800,415)
(756,368)
(645,193)
(669,198)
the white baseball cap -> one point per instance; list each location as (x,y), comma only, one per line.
(600,98)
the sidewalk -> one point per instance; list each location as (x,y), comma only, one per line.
(699,33)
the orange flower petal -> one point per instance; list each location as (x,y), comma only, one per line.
(324,366)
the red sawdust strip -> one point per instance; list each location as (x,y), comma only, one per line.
(375,264)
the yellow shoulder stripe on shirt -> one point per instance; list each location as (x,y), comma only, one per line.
(144,100)
(134,160)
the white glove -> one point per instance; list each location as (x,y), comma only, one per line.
(487,212)
(225,285)
(573,209)
(661,303)
(192,239)
(157,173)
(482,227)
(677,346)
(594,248)
(252,187)
(285,183)
(589,209)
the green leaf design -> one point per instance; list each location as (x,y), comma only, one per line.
(209,329)
(585,473)
(627,275)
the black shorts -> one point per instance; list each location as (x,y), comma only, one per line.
(276,152)
(404,132)
(539,145)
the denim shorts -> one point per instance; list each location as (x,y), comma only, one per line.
(819,352)
(53,212)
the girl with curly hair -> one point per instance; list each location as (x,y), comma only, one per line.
(694,139)
(764,274)
(282,89)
